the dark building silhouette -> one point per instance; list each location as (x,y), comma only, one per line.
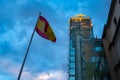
(111,39)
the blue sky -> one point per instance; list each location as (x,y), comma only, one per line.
(46,60)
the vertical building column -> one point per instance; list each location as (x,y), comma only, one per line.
(78,65)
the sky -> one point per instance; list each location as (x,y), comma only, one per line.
(46,60)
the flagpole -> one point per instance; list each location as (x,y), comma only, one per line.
(25,57)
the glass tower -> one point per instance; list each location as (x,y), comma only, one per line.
(80,33)
(87,60)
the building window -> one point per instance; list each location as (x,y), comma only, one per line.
(72,65)
(72,78)
(72,71)
(115,21)
(94,59)
(97,49)
(72,59)
(110,46)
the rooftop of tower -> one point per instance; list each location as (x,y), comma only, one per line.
(79,17)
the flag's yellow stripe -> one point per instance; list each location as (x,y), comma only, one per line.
(50,34)
(41,25)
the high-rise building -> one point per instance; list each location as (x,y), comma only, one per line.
(81,33)
(111,39)
(87,60)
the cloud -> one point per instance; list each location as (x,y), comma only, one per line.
(8,66)
(12,68)
(15,39)
(51,75)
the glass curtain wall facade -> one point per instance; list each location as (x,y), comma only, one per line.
(87,59)
(101,71)
(80,33)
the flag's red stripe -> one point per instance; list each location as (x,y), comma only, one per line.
(46,23)
(41,33)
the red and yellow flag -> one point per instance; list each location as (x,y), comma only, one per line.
(43,29)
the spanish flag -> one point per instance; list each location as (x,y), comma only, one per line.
(43,29)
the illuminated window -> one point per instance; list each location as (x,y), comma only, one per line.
(72,65)
(72,52)
(98,48)
(72,71)
(72,78)
(94,59)
(72,58)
